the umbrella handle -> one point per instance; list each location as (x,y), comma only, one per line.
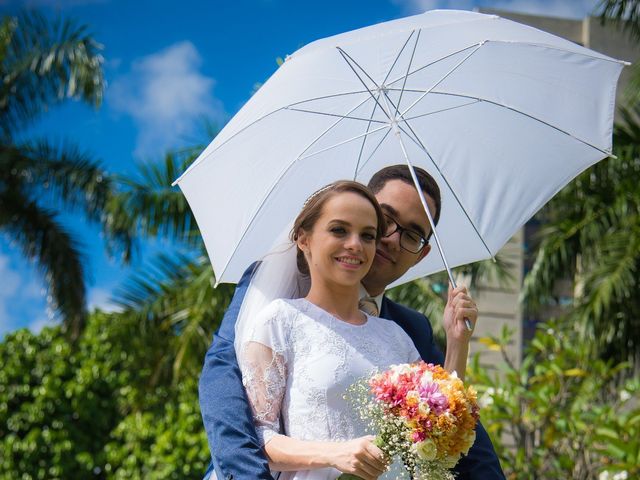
(467,322)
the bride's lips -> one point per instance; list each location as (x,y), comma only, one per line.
(350,262)
(385,257)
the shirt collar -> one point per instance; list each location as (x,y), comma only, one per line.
(377,298)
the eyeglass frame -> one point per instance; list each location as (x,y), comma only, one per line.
(399,228)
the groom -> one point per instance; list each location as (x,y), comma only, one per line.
(236,451)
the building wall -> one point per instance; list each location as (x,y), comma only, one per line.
(500,306)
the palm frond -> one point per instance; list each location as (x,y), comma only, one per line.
(43,239)
(150,206)
(613,277)
(66,179)
(555,259)
(175,295)
(41,64)
(625,13)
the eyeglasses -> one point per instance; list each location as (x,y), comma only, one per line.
(410,240)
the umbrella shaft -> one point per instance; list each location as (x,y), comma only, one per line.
(423,200)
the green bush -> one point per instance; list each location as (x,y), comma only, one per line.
(563,413)
(96,409)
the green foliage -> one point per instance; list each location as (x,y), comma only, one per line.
(591,235)
(54,412)
(562,413)
(91,412)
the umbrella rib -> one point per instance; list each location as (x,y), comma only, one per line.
(529,116)
(560,49)
(345,55)
(364,140)
(200,160)
(277,180)
(253,218)
(336,115)
(373,152)
(475,45)
(344,142)
(398,56)
(404,83)
(323,97)
(441,110)
(329,129)
(430,89)
(420,145)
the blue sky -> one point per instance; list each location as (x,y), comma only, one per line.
(170,65)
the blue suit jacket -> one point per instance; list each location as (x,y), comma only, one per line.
(235,448)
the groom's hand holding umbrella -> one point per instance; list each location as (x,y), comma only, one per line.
(460,310)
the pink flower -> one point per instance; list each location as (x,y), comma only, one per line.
(418,436)
(431,394)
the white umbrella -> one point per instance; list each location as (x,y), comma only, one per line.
(501,114)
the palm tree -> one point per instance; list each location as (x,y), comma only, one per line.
(173,296)
(626,15)
(592,237)
(43,63)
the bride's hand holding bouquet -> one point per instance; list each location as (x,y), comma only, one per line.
(422,414)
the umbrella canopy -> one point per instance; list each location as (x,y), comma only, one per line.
(501,114)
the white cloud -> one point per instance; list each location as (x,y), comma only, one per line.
(168,98)
(39,323)
(100,298)
(10,283)
(550,8)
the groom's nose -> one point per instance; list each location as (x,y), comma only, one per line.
(392,242)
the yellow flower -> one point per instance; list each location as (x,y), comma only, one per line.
(470,437)
(450,461)
(412,398)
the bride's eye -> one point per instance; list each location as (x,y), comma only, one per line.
(368,237)
(338,230)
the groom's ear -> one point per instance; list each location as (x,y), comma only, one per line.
(425,251)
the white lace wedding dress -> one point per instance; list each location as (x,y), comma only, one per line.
(297,366)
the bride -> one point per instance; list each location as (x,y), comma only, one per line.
(301,346)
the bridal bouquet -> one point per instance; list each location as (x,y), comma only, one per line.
(421,413)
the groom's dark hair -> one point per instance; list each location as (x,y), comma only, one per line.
(402,173)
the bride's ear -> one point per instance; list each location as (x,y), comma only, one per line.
(302,240)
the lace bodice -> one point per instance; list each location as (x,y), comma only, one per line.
(298,364)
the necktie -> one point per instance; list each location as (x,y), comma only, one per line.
(368,305)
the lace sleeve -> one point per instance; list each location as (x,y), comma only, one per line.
(264,379)
(264,369)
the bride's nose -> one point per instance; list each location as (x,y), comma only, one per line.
(354,243)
